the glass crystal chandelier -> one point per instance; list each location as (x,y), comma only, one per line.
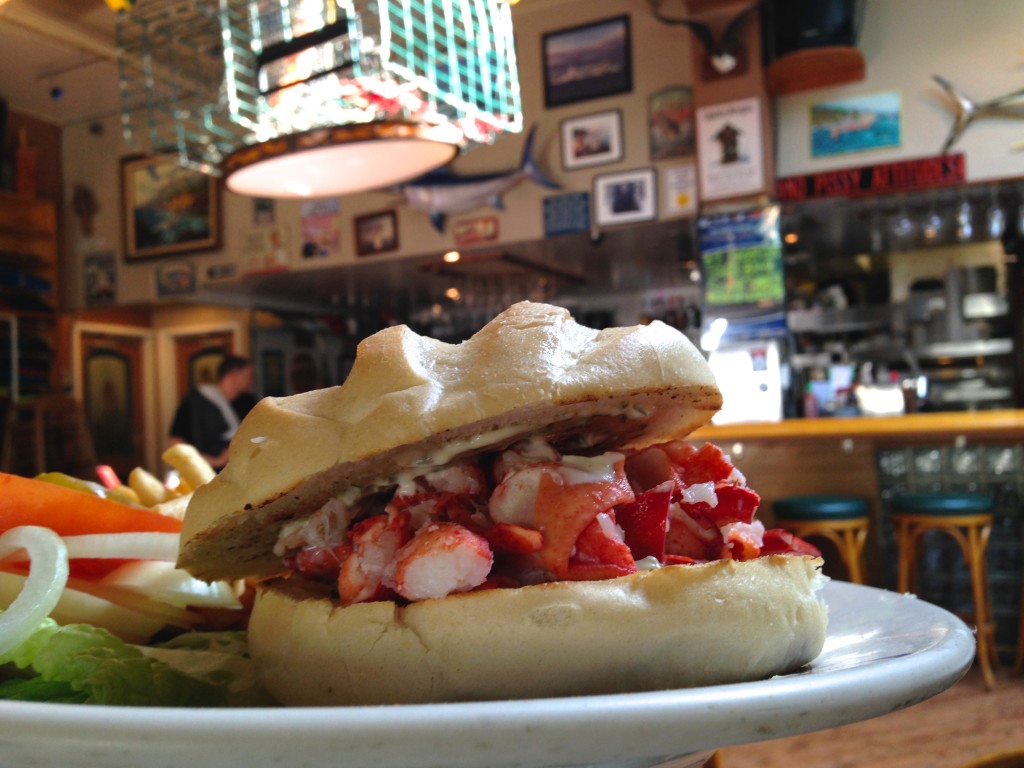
(305,98)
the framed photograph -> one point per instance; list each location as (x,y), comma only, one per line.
(167,209)
(592,140)
(176,278)
(376,233)
(587,62)
(623,198)
(670,115)
(858,124)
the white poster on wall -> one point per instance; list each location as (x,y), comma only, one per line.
(679,183)
(730,149)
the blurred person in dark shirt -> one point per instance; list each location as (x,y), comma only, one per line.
(209,414)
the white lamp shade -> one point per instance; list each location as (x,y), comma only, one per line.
(338,160)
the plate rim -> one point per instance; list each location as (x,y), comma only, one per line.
(919,675)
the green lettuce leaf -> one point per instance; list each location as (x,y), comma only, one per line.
(85,664)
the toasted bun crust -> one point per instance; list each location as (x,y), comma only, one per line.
(409,398)
(679,626)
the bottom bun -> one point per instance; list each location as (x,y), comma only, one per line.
(673,627)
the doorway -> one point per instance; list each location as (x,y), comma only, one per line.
(110,377)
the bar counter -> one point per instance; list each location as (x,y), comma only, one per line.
(982,425)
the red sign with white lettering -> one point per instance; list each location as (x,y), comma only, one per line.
(882,179)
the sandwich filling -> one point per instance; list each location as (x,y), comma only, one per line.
(528,514)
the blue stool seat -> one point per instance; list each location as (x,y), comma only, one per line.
(942,503)
(820,507)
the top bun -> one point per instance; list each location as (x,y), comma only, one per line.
(413,401)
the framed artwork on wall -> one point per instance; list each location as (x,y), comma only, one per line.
(376,233)
(591,140)
(587,62)
(167,209)
(671,129)
(624,198)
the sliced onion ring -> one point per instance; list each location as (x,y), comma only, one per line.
(47,576)
(127,546)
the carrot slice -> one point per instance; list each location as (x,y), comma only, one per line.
(69,512)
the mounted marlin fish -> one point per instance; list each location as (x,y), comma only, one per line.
(966,111)
(441,193)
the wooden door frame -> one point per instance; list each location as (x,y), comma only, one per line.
(150,445)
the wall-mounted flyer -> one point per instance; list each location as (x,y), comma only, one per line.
(730,150)
(741,255)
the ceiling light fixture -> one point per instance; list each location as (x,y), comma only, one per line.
(310,98)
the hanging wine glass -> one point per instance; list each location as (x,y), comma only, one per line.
(964,220)
(931,227)
(995,220)
(903,227)
(876,239)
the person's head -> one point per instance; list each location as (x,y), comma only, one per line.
(234,375)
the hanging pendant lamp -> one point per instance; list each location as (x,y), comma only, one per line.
(310,98)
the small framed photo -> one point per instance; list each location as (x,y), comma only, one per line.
(587,62)
(623,198)
(592,140)
(376,233)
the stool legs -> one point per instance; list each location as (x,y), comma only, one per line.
(849,536)
(972,536)
(1018,664)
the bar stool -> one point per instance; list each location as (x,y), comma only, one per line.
(967,517)
(843,520)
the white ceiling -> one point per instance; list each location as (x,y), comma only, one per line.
(71,45)
(59,59)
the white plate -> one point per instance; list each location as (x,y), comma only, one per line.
(884,652)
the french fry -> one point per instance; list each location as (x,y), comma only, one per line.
(126,493)
(193,468)
(174,507)
(147,487)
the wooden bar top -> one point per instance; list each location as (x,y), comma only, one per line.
(1000,425)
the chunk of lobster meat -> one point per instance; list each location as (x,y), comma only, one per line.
(525,453)
(375,541)
(514,500)
(454,493)
(441,559)
(777,541)
(701,464)
(463,477)
(690,538)
(743,541)
(601,552)
(320,563)
(644,522)
(728,504)
(509,539)
(564,510)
